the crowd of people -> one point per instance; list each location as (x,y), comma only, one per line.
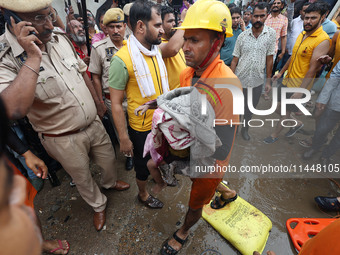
(79,102)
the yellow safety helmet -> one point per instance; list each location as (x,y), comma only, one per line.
(208,14)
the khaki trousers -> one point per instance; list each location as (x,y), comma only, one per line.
(74,152)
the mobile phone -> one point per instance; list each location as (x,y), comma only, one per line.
(7,16)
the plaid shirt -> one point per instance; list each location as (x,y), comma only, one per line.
(279,24)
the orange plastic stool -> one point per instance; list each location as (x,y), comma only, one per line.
(305,228)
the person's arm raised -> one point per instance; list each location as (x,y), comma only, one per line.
(22,89)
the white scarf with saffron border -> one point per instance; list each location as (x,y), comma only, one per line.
(141,69)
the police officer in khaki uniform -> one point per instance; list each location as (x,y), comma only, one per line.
(101,55)
(43,77)
(103,51)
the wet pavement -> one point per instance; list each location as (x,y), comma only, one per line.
(133,229)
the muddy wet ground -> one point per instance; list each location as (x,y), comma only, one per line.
(133,229)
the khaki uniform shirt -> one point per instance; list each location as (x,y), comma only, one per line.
(62,102)
(128,32)
(101,55)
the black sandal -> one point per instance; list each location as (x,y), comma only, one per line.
(168,250)
(215,204)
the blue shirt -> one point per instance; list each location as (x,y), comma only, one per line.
(249,25)
(330,93)
(329,27)
(228,47)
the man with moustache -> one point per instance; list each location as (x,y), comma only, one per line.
(138,71)
(302,66)
(253,60)
(45,75)
(279,23)
(101,55)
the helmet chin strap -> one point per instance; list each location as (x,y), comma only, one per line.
(210,53)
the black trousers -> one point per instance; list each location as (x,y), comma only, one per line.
(138,140)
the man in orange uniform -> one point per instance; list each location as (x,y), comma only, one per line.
(202,43)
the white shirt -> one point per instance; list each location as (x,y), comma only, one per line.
(252,53)
(297,28)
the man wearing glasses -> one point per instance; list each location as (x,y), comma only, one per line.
(41,76)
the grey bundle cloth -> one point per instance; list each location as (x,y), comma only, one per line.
(184,105)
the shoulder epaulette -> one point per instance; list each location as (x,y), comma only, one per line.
(58,30)
(101,42)
(4,46)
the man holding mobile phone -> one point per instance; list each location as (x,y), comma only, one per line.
(42,76)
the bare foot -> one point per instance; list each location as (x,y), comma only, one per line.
(50,245)
(158,187)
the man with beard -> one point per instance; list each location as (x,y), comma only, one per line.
(138,71)
(279,23)
(229,43)
(253,60)
(41,76)
(76,33)
(302,66)
(93,29)
(171,46)
(101,55)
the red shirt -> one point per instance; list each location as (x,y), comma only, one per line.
(82,55)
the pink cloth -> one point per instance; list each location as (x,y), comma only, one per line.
(98,37)
(165,131)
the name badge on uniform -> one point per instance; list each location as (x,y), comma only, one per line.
(109,54)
